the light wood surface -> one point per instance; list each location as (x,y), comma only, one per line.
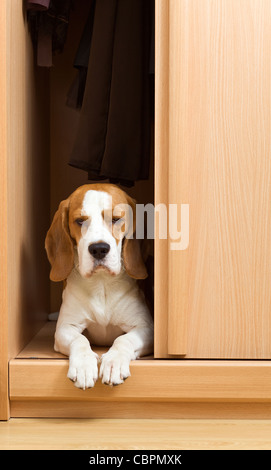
(150,380)
(161,175)
(4,408)
(24,211)
(157,388)
(27,182)
(138,409)
(41,345)
(178,163)
(218,150)
(55,434)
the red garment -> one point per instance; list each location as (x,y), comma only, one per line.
(37,4)
(48,21)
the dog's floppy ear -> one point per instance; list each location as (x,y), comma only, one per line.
(132,259)
(58,244)
(131,250)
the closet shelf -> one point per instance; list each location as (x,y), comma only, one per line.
(42,346)
(39,373)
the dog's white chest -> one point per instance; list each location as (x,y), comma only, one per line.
(102,296)
(103,304)
(99,302)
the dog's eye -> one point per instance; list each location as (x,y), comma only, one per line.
(79,221)
(115,220)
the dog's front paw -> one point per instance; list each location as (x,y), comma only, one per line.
(83,370)
(114,368)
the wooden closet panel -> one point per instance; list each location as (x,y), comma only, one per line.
(27,121)
(161,174)
(219,162)
(4,405)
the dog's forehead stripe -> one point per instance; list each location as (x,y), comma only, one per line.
(96,200)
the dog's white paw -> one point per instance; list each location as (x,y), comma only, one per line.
(83,370)
(114,368)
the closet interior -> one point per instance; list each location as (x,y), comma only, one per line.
(42,132)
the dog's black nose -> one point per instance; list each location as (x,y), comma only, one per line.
(99,250)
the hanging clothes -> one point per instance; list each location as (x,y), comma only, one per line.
(113,135)
(37,4)
(76,92)
(48,21)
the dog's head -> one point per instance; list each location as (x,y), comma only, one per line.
(93,228)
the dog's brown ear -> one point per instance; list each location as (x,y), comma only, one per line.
(58,244)
(131,250)
(132,259)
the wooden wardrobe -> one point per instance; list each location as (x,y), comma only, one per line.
(212,150)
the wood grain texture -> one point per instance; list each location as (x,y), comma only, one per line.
(41,345)
(220,164)
(151,380)
(4,405)
(156,389)
(129,409)
(177,171)
(161,174)
(27,123)
(132,434)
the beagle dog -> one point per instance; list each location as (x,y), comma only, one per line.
(89,249)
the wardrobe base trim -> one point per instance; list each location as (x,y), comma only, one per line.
(139,410)
(151,381)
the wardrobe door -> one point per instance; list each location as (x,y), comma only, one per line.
(4,405)
(212,148)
